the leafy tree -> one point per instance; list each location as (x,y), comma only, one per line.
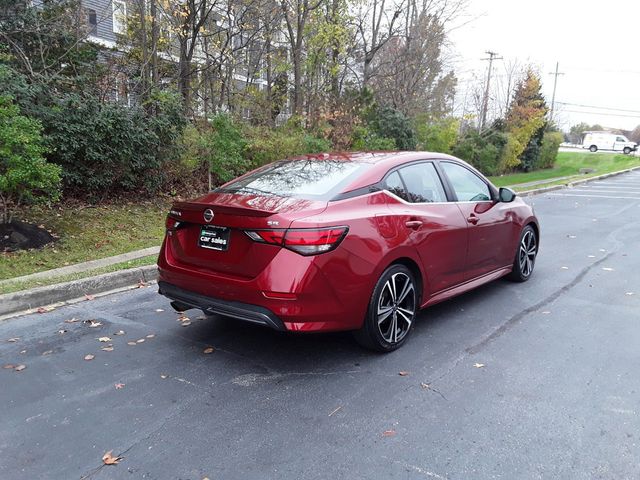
(525,117)
(24,173)
(577,131)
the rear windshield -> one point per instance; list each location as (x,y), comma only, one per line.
(307,179)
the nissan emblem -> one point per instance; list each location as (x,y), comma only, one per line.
(208,215)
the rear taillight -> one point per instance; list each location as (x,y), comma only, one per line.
(305,241)
(172,224)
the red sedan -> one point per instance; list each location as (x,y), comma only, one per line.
(357,242)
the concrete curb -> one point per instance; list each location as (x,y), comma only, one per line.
(28,301)
(537,191)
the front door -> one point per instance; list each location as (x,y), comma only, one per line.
(490,223)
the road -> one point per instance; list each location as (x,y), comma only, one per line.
(558,396)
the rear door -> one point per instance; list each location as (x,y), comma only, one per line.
(490,222)
(437,228)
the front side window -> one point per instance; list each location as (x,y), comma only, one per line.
(467,186)
(621,139)
(423,183)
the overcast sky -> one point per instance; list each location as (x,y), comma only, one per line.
(594,42)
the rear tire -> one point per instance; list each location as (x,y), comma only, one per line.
(593,148)
(392,311)
(525,255)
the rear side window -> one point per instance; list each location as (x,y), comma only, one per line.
(467,186)
(394,185)
(423,183)
(307,179)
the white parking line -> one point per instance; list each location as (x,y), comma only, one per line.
(589,196)
(598,190)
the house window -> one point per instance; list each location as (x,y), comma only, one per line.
(119,16)
(92,19)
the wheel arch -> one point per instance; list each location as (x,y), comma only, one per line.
(415,270)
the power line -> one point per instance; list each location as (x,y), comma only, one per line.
(600,108)
(603,113)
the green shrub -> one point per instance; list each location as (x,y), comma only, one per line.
(364,139)
(549,149)
(24,173)
(107,149)
(265,145)
(387,122)
(436,136)
(482,151)
(225,147)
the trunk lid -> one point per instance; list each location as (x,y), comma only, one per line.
(233,213)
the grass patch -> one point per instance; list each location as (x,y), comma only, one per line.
(11,287)
(568,164)
(87,233)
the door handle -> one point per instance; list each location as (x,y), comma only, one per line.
(414,224)
(473,219)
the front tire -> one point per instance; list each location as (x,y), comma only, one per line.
(593,149)
(525,255)
(392,311)
(626,150)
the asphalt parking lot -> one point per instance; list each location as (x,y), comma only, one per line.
(511,381)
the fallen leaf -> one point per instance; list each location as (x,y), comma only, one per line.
(629,293)
(131,343)
(48,352)
(479,365)
(182,318)
(564,268)
(19,368)
(591,256)
(602,250)
(119,332)
(72,320)
(425,385)
(89,297)
(141,284)
(109,459)
(62,331)
(108,348)
(44,309)
(9,366)
(571,236)
(159,310)
(389,433)
(13,340)
(119,386)
(151,335)
(403,373)
(185,324)
(104,339)
(208,350)
(23,351)
(93,323)
(89,357)
(163,376)
(607,269)
(140,340)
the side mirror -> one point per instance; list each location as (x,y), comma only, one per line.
(506,195)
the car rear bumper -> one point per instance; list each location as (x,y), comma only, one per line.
(238,310)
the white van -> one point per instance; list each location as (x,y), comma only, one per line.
(595,141)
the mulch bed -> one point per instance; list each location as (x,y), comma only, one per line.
(23,236)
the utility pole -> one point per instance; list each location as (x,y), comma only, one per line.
(485,101)
(553,97)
